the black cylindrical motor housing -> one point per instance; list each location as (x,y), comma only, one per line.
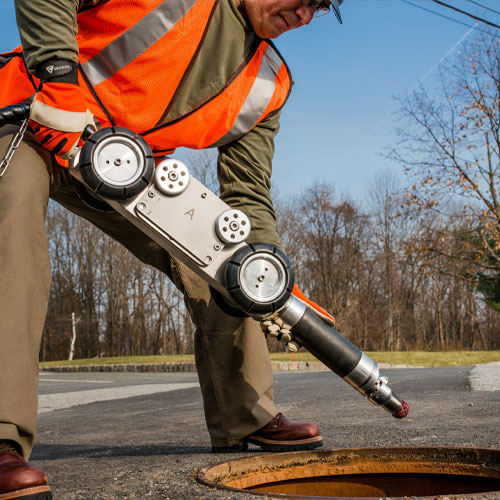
(326,344)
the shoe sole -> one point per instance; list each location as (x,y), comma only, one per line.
(35,493)
(296,445)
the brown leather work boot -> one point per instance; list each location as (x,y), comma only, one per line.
(282,435)
(20,480)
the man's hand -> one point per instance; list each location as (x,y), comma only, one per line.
(58,114)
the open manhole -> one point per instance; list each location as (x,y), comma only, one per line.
(361,473)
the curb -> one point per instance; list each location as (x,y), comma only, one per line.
(277,366)
(146,367)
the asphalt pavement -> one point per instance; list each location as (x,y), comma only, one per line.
(142,435)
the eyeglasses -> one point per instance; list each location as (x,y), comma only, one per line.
(323,7)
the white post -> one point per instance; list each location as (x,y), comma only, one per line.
(73,338)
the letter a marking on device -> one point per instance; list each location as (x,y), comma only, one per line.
(190,213)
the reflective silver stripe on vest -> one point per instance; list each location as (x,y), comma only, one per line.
(133,42)
(258,98)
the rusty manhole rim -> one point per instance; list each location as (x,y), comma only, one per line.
(315,456)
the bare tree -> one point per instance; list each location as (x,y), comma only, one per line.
(450,146)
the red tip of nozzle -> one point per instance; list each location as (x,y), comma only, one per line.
(403,411)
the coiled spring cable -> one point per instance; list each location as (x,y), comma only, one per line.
(14,114)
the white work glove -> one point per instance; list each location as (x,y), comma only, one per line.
(275,327)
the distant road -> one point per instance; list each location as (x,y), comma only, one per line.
(66,390)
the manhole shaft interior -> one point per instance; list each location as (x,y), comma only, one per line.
(362,473)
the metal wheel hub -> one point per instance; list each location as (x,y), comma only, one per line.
(115,163)
(118,160)
(263,278)
(259,279)
(233,226)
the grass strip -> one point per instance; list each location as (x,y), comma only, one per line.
(413,358)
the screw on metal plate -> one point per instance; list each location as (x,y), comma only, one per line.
(151,194)
(141,206)
(217,247)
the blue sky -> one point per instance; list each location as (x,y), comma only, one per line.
(338,119)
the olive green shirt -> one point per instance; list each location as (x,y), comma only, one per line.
(48,29)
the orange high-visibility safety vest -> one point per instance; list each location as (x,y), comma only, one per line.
(134,63)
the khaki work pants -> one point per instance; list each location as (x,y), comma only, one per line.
(231,354)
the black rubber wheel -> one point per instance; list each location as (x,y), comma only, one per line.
(223,304)
(89,199)
(116,163)
(259,278)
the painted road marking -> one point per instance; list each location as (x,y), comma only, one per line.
(69,381)
(485,377)
(60,401)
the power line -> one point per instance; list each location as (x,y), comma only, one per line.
(448,6)
(484,6)
(447,17)
(393,109)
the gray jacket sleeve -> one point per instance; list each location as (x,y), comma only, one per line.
(244,172)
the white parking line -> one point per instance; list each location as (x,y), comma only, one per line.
(51,402)
(76,380)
